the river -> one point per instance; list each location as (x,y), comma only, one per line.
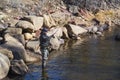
(95,58)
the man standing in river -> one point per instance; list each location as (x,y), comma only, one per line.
(44,44)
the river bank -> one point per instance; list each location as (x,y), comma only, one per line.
(94,56)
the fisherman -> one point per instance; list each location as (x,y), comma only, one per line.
(45,44)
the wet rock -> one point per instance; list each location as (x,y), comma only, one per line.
(99,33)
(6,52)
(4,65)
(36,21)
(25,25)
(18,67)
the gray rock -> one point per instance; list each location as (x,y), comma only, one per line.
(55,43)
(94,29)
(4,66)
(73,9)
(74,30)
(18,67)
(65,33)
(20,38)
(13,31)
(18,50)
(6,52)
(36,21)
(32,45)
(25,25)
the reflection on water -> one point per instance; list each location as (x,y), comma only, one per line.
(94,59)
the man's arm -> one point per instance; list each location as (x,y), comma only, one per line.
(52,32)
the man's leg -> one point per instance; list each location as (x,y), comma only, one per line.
(45,54)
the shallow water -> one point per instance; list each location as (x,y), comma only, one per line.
(97,58)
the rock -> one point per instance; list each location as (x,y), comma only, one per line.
(18,67)
(28,36)
(34,35)
(2,15)
(18,50)
(61,18)
(57,32)
(13,31)
(1,38)
(65,33)
(32,45)
(13,22)
(73,9)
(105,26)
(15,46)
(4,66)
(2,26)
(55,43)
(94,29)
(20,38)
(25,25)
(6,52)
(36,21)
(75,30)
(48,21)
(99,33)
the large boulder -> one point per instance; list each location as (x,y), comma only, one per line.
(48,21)
(4,66)
(6,52)
(18,67)
(36,21)
(75,30)
(55,43)
(59,32)
(56,32)
(18,50)
(32,45)
(20,38)
(25,25)
(13,31)
(61,18)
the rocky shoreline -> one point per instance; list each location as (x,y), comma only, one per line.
(19,35)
